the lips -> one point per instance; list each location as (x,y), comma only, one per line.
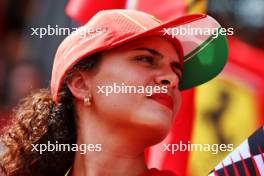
(163,99)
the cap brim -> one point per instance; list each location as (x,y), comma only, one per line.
(205,54)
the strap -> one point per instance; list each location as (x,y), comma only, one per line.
(68,172)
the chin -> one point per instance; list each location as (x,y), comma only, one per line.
(154,126)
(160,128)
(157,134)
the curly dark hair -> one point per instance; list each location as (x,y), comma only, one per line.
(37,120)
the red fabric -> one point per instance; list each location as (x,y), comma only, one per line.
(163,9)
(82,10)
(246,56)
(156,172)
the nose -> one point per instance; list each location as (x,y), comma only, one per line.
(170,80)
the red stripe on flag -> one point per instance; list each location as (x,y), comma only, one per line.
(234,167)
(244,165)
(224,168)
(215,172)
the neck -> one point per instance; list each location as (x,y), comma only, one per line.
(120,153)
(108,164)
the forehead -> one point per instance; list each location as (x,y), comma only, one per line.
(160,44)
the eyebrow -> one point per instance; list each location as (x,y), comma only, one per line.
(152,51)
(174,64)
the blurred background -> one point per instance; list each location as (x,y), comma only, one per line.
(225,110)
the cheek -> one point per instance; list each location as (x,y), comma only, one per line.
(122,72)
(118,105)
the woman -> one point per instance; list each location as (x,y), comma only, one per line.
(116,47)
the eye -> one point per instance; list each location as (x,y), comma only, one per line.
(177,68)
(147,59)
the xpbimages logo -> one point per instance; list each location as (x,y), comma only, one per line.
(181,146)
(128,89)
(51,30)
(188,30)
(50,147)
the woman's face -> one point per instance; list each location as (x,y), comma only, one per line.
(146,62)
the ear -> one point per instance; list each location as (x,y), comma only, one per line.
(79,85)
